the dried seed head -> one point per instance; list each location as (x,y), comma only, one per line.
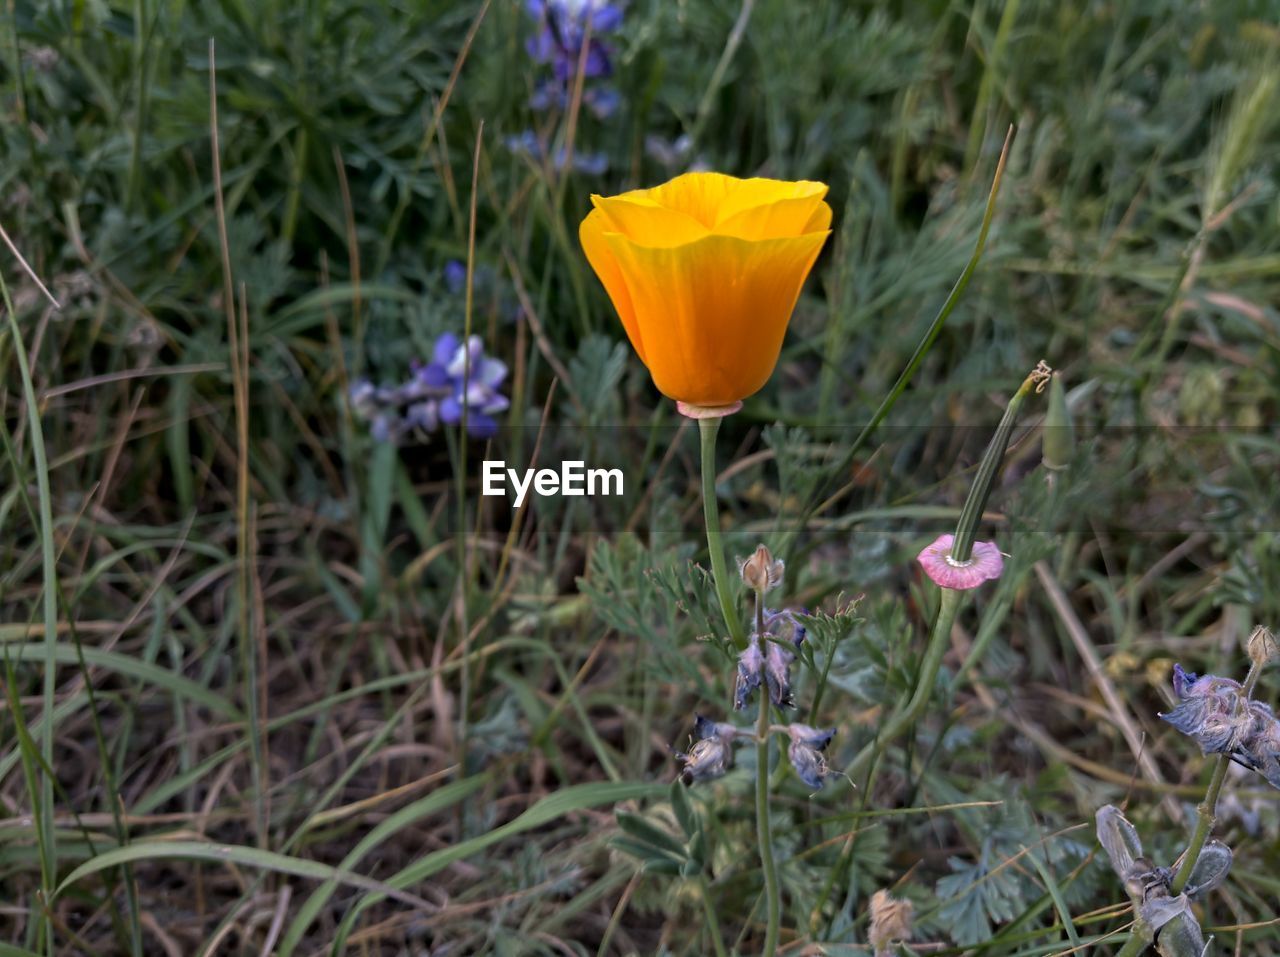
(890,920)
(761,571)
(1263,647)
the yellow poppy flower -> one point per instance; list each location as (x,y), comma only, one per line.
(705,271)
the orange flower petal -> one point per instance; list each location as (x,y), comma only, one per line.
(592,236)
(642,220)
(747,194)
(820,220)
(712,312)
(785,217)
(699,195)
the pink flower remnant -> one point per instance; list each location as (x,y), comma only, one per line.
(985,564)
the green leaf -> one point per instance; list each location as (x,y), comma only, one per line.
(684,811)
(639,827)
(235,854)
(551,808)
(646,853)
(407,816)
(162,678)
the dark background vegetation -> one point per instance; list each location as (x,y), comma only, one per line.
(269,635)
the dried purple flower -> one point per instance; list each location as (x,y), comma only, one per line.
(711,754)
(983,565)
(805,752)
(780,651)
(750,673)
(1215,713)
(771,664)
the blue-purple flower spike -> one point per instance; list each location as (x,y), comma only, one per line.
(563,43)
(459,377)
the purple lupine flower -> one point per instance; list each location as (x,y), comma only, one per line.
(711,754)
(561,41)
(455,275)
(669,153)
(458,378)
(526,143)
(805,752)
(601,101)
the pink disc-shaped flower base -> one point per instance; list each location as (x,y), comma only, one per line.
(985,564)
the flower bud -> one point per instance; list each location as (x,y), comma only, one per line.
(761,572)
(1059,435)
(1263,647)
(961,546)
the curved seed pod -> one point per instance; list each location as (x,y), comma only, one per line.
(1210,870)
(1181,937)
(1119,839)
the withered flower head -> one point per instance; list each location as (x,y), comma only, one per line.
(712,752)
(1215,713)
(761,571)
(750,673)
(805,752)
(1263,647)
(789,634)
(890,920)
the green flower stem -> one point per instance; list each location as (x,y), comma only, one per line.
(713,919)
(1206,812)
(764,836)
(910,713)
(1135,945)
(707,429)
(902,719)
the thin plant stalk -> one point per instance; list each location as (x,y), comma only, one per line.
(707,429)
(764,835)
(764,831)
(713,919)
(49,592)
(907,716)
